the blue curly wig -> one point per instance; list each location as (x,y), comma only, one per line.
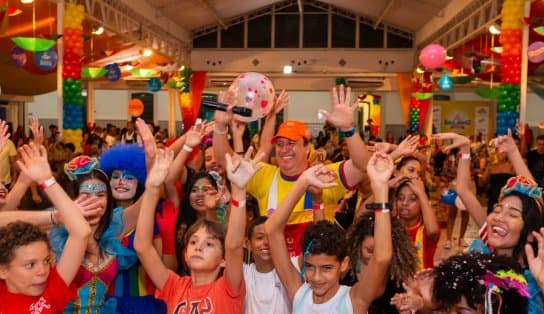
(126,157)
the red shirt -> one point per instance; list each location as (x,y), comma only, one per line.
(428,247)
(53,299)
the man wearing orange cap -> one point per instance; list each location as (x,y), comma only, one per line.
(292,142)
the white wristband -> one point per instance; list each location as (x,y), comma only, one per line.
(465,156)
(187,148)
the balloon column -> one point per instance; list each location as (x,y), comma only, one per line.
(420,100)
(71,73)
(190,85)
(510,38)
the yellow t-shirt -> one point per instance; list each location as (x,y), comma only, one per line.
(259,187)
(5,165)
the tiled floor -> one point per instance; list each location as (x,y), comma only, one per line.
(471,234)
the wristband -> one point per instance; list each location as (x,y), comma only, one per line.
(187,148)
(383,211)
(240,203)
(464,156)
(47,183)
(217,131)
(319,206)
(51,216)
(378,207)
(348,133)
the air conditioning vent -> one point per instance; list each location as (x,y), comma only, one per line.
(365,83)
(221,82)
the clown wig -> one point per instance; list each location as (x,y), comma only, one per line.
(125,157)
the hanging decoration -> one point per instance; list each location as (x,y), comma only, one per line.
(71,74)
(433,56)
(421,86)
(445,83)
(114,72)
(46,60)
(18,56)
(511,40)
(190,85)
(154,84)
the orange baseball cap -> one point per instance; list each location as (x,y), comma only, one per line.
(293,130)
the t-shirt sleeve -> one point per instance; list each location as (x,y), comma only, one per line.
(223,283)
(12,152)
(58,292)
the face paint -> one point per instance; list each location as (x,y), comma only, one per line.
(123,185)
(96,189)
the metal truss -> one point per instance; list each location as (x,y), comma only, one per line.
(468,23)
(121,19)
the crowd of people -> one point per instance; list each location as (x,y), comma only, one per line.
(215,222)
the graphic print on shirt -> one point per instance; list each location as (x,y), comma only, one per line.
(206,308)
(39,306)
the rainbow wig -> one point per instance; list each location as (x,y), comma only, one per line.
(125,157)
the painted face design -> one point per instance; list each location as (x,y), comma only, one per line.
(123,185)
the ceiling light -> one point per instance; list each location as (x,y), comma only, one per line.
(26,1)
(420,70)
(287,69)
(98,31)
(147,52)
(494,29)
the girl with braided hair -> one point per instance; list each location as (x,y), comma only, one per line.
(360,238)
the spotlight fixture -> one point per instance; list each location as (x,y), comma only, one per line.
(146,52)
(420,70)
(494,29)
(26,1)
(287,69)
(98,30)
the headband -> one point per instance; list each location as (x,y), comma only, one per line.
(525,186)
(496,283)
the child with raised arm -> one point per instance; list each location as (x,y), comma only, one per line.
(215,259)
(29,283)
(317,289)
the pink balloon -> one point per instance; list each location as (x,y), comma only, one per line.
(432,56)
(254,91)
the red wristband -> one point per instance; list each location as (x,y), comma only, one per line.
(318,206)
(235,203)
(47,183)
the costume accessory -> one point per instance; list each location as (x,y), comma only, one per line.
(47,183)
(464,156)
(496,283)
(187,148)
(292,130)
(80,165)
(217,131)
(125,157)
(238,204)
(305,254)
(319,206)
(348,133)
(525,186)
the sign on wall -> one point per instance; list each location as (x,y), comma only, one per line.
(464,117)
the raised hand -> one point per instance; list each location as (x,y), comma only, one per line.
(238,128)
(410,301)
(33,162)
(280,101)
(382,147)
(342,112)
(4,135)
(224,117)
(407,146)
(90,207)
(536,262)
(160,167)
(520,129)
(379,169)
(240,171)
(37,131)
(319,176)
(416,184)
(194,136)
(505,143)
(458,140)
(148,139)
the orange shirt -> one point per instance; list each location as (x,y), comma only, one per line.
(182,297)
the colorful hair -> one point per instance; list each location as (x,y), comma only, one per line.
(125,157)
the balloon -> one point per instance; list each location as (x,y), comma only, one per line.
(154,84)
(135,107)
(18,56)
(114,72)
(254,91)
(432,56)
(448,197)
(445,82)
(46,60)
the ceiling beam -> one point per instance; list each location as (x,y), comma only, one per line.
(214,13)
(300,7)
(384,13)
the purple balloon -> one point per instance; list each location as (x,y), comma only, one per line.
(18,56)
(535,52)
(432,56)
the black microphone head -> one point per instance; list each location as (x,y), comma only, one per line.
(243,111)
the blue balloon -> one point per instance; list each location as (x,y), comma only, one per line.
(154,84)
(114,72)
(445,82)
(46,60)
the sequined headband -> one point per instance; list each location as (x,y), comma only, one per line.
(525,186)
(81,165)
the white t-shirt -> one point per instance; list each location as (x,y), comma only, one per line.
(264,292)
(340,303)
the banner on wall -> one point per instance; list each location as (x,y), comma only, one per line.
(463,117)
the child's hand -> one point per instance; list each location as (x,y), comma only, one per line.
(194,136)
(238,128)
(90,207)
(319,176)
(408,145)
(240,171)
(33,162)
(160,167)
(416,184)
(37,131)
(148,139)
(379,169)
(505,143)
(280,101)
(224,117)
(4,135)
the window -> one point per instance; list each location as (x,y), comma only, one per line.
(396,41)
(315,31)
(287,29)
(343,32)
(233,37)
(370,37)
(259,32)
(206,41)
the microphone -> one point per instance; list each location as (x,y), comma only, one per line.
(243,111)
